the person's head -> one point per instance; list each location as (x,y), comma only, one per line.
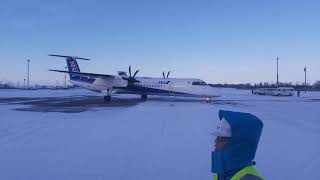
(221,142)
(237,139)
(222,134)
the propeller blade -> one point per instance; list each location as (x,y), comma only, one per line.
(134,75)
(168,74)
(163,75)
(130,71)
(130,79)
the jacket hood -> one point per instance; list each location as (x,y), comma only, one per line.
(240,151)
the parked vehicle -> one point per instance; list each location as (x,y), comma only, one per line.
(280,91)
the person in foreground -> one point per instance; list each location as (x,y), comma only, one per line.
(237,138)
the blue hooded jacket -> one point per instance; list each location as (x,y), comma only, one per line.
(240,151)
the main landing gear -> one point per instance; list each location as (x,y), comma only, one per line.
(107,98)
(144,97)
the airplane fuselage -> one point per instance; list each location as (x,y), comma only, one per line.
(148,86)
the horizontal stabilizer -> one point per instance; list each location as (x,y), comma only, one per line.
(72,57)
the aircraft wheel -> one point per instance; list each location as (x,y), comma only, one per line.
(107,98)
(144,97)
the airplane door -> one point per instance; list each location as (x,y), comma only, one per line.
(171,90)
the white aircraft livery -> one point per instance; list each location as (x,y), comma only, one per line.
(144,86)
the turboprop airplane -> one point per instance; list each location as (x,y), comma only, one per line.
(144,86)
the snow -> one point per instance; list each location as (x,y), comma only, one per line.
(162,138)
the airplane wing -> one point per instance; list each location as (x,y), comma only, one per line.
(85,74)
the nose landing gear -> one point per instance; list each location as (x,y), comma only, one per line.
(144,97)
(208,100)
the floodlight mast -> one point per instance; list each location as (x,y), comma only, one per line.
(305,79)
(28,77)
(277,71)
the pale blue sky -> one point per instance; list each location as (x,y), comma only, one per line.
(218,41)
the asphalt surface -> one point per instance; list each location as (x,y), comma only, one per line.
(70,104)
(77,104)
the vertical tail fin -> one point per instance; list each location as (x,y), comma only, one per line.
(72,64)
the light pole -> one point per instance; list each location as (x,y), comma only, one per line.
(305,79)
(24,83)
(65,78)
(28,74)
(277,70)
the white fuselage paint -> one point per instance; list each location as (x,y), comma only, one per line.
(150,86)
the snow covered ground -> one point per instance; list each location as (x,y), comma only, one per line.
(162,138)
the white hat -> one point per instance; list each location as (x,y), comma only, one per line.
(223,129)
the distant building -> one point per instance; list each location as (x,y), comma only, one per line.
(4,86)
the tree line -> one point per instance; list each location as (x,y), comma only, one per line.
(301,87)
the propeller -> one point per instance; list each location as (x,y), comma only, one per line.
(131,78)
(164,76)
(134,75)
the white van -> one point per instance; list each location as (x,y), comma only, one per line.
(280,91)
(284,91)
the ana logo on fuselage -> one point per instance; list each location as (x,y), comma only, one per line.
(163,82)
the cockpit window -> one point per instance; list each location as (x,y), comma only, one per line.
(199,83)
